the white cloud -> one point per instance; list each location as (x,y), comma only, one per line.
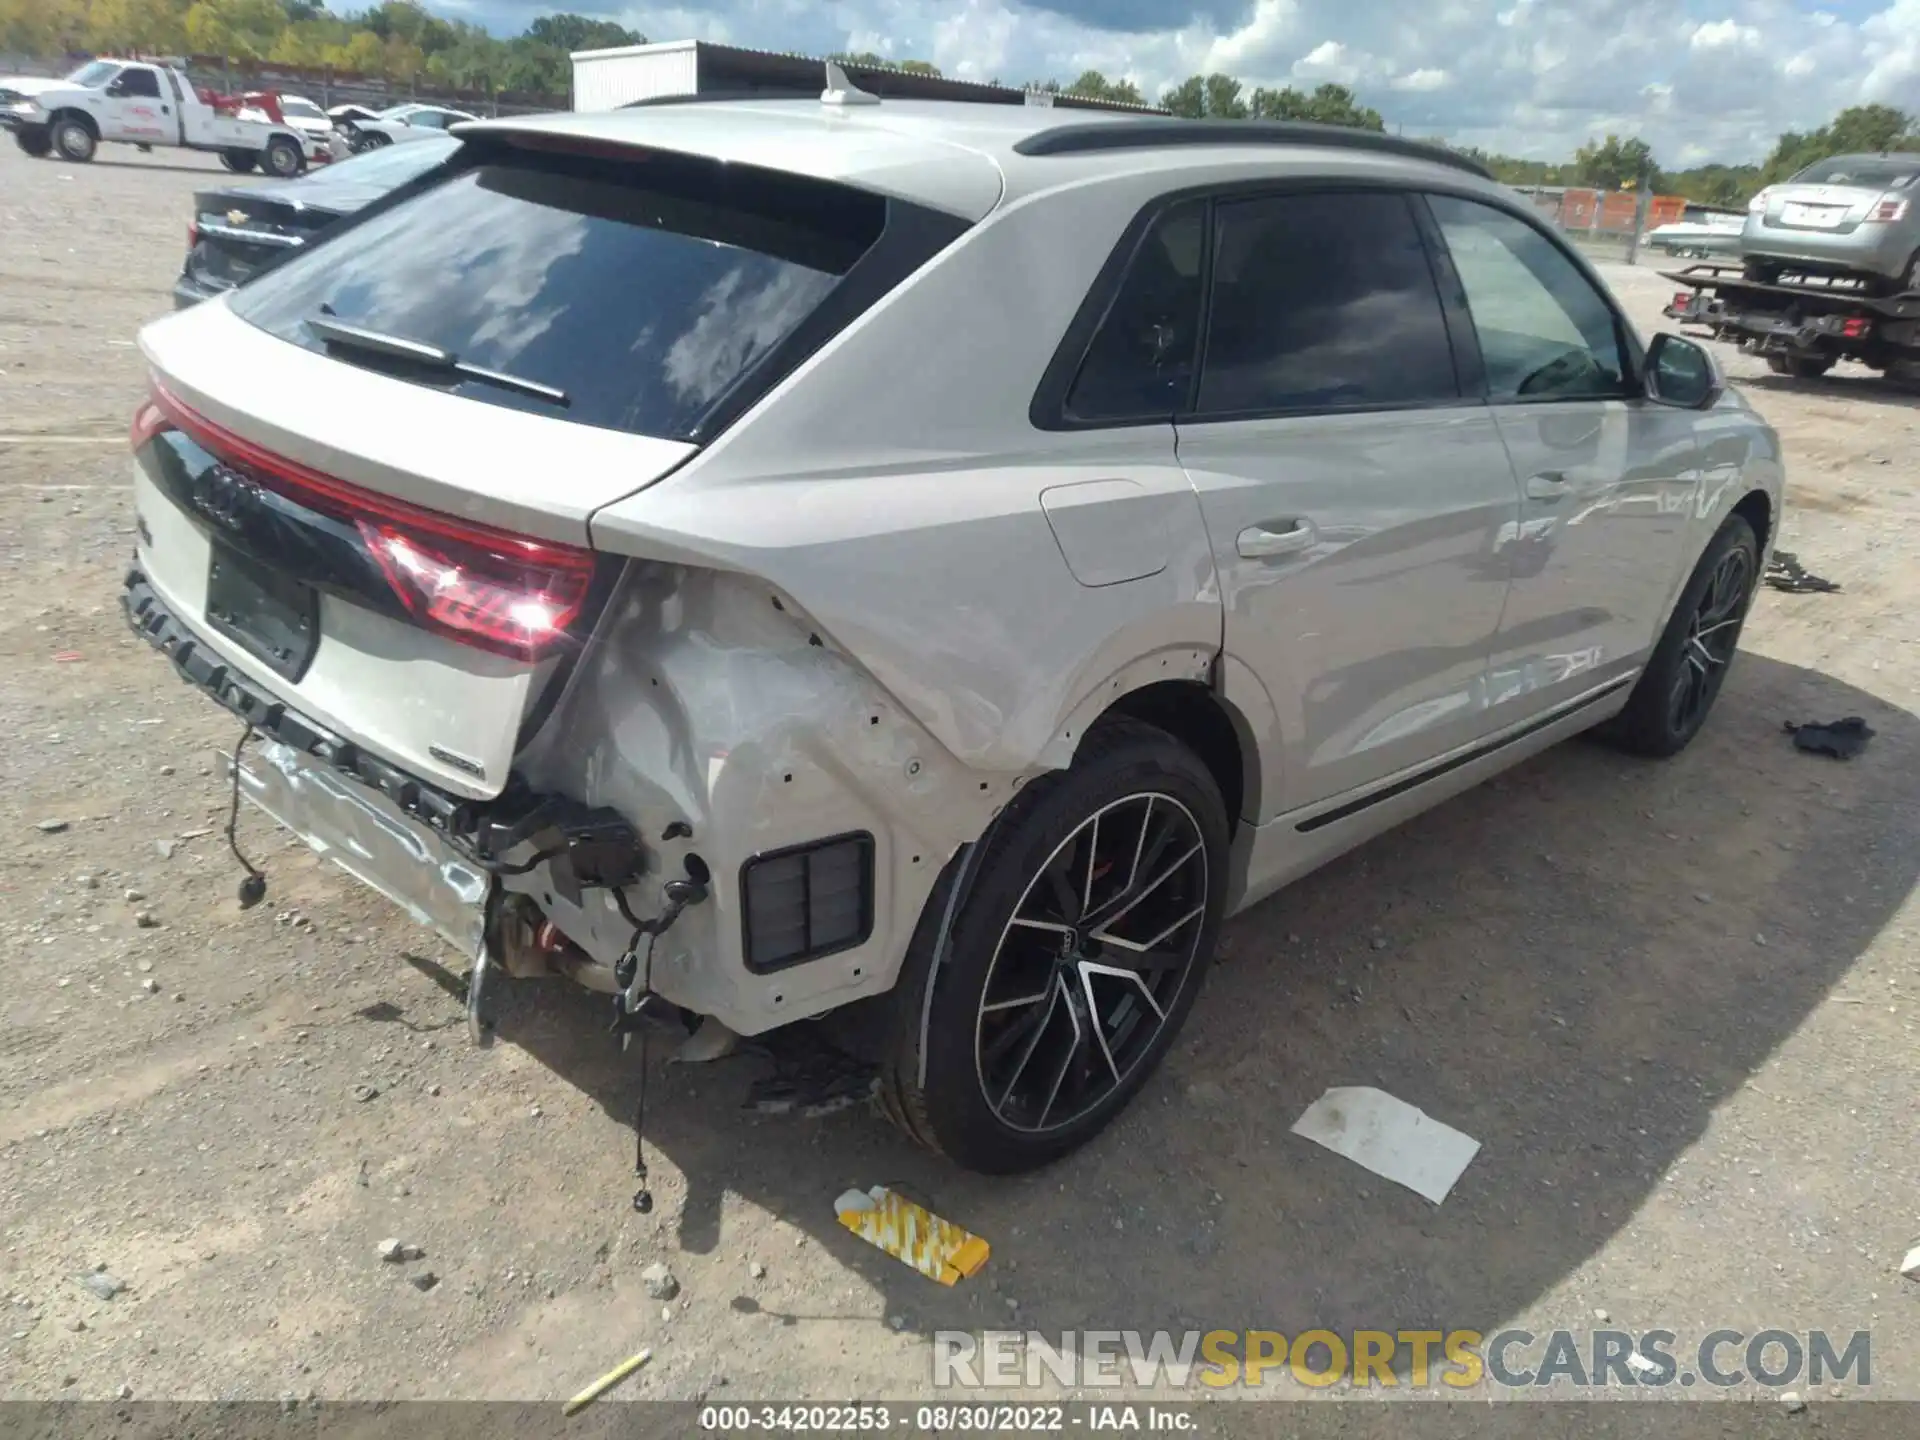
(1718,34)
(1528,77)
(1329,61)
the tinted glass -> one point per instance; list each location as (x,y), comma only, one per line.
(1871,172)
(140,82)
(1545,332)
(642,290)
(1140,363)
(428,120)
(1322,302)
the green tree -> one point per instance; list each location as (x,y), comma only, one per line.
(238,29)
(1092,85)
(1615,164)
(576,32)
(1211,97)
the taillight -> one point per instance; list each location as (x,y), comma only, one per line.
(1855,327)
(1758,204)
(1683,299)
(1890,208)
(478,585)
(503,599)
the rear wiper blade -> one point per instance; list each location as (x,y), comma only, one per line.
(431,357)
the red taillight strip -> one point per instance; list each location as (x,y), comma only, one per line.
(476,584)
(302,482)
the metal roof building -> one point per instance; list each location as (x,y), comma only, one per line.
(608,79)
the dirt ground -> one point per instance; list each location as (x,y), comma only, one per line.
(1676,1004)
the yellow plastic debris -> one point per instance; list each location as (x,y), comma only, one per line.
(606,1382)
(937,1248)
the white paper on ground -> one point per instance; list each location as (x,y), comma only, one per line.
(1391,1138)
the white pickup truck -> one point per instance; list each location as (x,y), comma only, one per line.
(137,102)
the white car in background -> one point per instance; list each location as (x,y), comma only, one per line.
(359,131)
(1700,232)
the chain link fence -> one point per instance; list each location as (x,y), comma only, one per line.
(1608,224)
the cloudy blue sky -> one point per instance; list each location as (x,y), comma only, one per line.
(1699,79)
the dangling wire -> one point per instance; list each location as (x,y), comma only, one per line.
(253,888)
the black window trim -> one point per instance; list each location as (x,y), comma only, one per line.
(1632,358)
(1048,410)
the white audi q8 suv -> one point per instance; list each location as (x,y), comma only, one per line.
(927,563)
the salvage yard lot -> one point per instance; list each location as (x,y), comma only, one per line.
(1675,1004)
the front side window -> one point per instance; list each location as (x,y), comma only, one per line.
(1322,302)
(1545,332)
(141,83)
(1140,364)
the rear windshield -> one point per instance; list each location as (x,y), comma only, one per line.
(1872,172)
(640,288)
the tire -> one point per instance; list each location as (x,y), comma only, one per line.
(37,143)
(1910,277)
(241,162)
(1800,367)
(1697,648)
(73,140)
(282,158)
(1028,1008)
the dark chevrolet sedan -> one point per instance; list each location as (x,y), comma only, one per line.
(239,229)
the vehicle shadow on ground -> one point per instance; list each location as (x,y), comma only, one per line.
(1574,964)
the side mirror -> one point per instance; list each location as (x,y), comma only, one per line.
(1683,373)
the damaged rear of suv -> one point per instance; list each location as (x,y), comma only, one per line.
(923,564)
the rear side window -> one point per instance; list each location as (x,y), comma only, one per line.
(1322,302)
(1140,364)
(640,290)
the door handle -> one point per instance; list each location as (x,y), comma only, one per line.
(1276,537)
(1548,485)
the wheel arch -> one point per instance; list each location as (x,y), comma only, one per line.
(1756,508)
(69,112)
(1210,726)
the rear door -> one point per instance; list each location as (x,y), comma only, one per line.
(1608,479)
(1356,492)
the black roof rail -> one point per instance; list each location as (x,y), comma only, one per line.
(1154,134)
